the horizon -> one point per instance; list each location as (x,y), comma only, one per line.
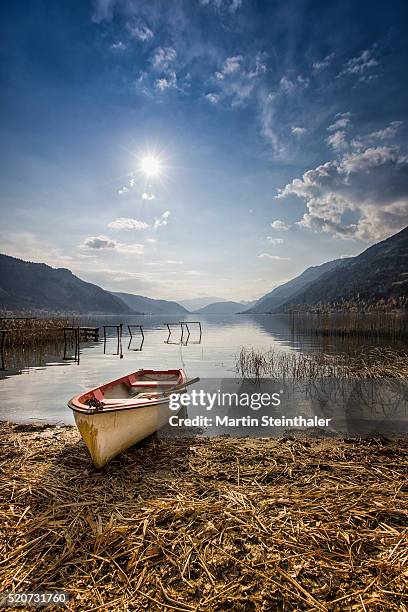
(210,148)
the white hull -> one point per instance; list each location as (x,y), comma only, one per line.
(108,434)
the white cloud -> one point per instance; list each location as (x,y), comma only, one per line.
(163,57)
(130,249)
(231,64)
(127,223)
(387,133)
(298,130)
(104,243)
(141,32)
(275,257)
(147,196)
(342,121)
(167,82)
(223,5)
(162,220)
(118,46)
(212,97)
(360,65)
(279,225)
(317,66)
(274,241)
(337,141)
(361,195)
(123,190)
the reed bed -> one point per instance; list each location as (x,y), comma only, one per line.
(372,363)
(31,332)
(206,525)
(376,325)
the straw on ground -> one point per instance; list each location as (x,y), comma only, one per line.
(206,525)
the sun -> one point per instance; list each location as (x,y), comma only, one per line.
(150,166)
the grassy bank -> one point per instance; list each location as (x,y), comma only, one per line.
(205,525)
(375,325)
(372,363)
(34,332)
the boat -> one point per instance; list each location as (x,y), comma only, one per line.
(119,413)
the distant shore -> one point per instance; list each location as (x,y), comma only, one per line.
(200,524)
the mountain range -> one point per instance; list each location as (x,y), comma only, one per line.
(145,305)
(26,286)
(222,308)
(378,274)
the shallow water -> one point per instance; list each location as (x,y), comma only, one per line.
(36,383)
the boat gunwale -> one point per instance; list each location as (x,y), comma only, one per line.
(77,406)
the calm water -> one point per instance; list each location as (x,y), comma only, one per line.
(35,385)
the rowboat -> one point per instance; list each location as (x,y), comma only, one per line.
(116,415)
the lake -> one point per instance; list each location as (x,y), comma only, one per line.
(36,383)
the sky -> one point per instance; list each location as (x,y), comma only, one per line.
(179,149)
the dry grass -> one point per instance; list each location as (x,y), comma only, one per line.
(34,332)
(376,325)
(206,525)
(372,363)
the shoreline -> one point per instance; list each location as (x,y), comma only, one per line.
(205,523)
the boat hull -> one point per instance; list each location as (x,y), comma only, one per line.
(108,434)
(121,412)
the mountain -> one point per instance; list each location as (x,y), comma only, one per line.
(221,308)
(378,273)
(26,286)
(147,305)
(280,295)
(197,303)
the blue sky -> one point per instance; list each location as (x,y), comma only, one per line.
(279,129)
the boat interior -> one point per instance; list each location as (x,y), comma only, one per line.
(143,385)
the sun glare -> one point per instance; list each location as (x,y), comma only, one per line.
(150,166)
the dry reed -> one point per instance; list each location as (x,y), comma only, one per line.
(375,325)
(31,332)
(373,363)
(206,525)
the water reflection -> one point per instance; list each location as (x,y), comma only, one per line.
(34,385)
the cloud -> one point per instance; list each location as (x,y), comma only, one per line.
(388,132)
(238,78)
(337,141)
(127,223)
(119,46)
(231,64)
(212,97)
(99,242)
(162,220)
(360,65)
(273,105)
(103,9)
(163,57)
(342,121)
(147,196)
(123,190)
(297,130)
(275,257)
(167,82)
(280,225)
(105,243)
(274,241)
(287,86)
(317,66)
(141,32)
(223,5)
(362,195)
